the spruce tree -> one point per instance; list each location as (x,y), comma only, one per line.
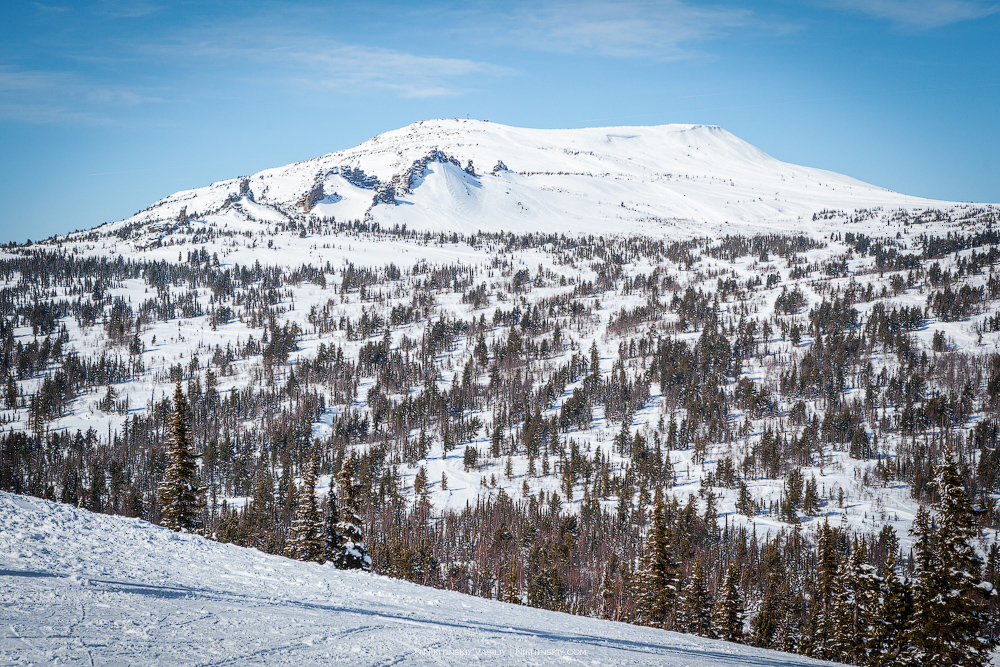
(696,605)
(729,612)
(306,542)
(608,577)
(768,625)
(822,618)
(512,589)
(333,539)
(355,553)
(855,608)
(950,603)
(259,516)
(893,622)
(657,580)
(180,496)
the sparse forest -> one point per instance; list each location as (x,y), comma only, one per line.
(778,439)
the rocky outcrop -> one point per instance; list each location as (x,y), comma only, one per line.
(245,191)
(357,177)
(311,198)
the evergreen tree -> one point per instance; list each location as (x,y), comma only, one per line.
(333,539)
(608,607)
(306,541)
(889,640)
(950,604)
(770,623)
(855,608)
(259,517)
(657,580)
(745,502)
(696,605)
(512,589)
(822,620)
(180,496)
(355,553)
(729,612)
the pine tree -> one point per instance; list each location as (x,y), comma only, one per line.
(608,607)
(745,502)
(259,516)
(512,590)
(855,609)
(657,579)
(770,620)
(333,539)
(180,496)
(696,605)
(729,612)
(306,541)
(893,622)
(950,609)
(355,554)
(924,590)
(822,619)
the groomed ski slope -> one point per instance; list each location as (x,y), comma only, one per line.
(78,588)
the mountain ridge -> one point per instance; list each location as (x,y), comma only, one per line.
(466,176)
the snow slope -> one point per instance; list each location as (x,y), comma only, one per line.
(467,175)
(82,588)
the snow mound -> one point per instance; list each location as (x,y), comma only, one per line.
(83,588)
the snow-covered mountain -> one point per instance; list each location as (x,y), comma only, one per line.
(83,589)
(778,352)
(467,175)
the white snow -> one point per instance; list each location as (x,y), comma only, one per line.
(83,588)
(669,180)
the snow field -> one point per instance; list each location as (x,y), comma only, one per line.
(86,589)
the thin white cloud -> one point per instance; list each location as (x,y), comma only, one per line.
(128,9)
(921,14)
(57,9)
(43,97)
(50,114)
(666,30)
(14,80)
(310,60)
(351,68)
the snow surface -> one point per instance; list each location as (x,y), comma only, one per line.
(668,180)
(83,588)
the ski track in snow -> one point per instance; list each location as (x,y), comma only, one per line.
(78,588)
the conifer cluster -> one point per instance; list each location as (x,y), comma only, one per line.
(580,417)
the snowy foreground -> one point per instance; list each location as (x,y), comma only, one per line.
(83,588)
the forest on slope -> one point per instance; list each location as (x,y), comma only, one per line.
(621,426)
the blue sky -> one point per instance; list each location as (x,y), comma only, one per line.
(107,106)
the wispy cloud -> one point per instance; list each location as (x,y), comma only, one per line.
(58,9)
(13,80)
(921,14)
(128,9)
(665,30)
(44,97)
(109,81)
(311,60)
(347,68)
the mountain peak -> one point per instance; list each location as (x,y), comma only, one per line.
(464,175)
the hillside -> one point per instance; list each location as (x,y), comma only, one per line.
(533,400)
(80,588)
(465,176)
